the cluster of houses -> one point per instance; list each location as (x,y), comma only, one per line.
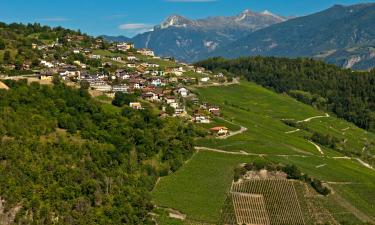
(165,86)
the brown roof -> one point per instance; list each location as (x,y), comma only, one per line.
(218,128)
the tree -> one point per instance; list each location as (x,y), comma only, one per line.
(169,110)
(6,57)
(84,85)
(123,99)
(56,80)
(2,44)
(292,171)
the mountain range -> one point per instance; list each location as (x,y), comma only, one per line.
(189,40)
(341,35)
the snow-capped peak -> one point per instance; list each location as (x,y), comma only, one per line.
(175,21)
(244,14)
(247,11)
(269,13)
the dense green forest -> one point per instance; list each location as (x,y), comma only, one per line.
(349,94)
(67,159)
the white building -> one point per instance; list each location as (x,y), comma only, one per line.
(124,46)
(183,92)
(205,79)
(146,52)
(120,88)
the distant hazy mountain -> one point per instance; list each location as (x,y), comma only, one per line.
(116,38)
(343,35)
(187,39)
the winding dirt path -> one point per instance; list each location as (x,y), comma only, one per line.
(247,153)
(292,131)
(314,117)
(282,155)
(317,147)
(231,134)
(235,81)
(365,164)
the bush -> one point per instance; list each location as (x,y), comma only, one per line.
(318,186)
(123,99)
(292,171)
(2,44)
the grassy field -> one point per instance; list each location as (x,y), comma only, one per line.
(262,111)
(199,188)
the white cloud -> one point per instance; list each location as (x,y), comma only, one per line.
(132,29)
(135,26)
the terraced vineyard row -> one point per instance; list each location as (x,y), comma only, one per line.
(280,199)
(250,208)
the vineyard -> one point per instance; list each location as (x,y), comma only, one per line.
(250,208)
(265,201)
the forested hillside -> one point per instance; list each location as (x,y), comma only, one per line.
(17,39)
(67,159)
(350,95)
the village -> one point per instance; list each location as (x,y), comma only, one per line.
(110,69)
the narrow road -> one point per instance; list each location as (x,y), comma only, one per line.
(247,153)
(314,117)
(280,155)
(231,134)
(365,164)
(317,147)
(235,81)
(292,131)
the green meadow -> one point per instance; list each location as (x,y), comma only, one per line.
(262,112)
(199,188)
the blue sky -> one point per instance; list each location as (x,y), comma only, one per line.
(127,17)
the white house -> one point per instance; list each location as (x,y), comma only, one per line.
(47,64)
(120,88)
(103,87)
(183,92)
(201,119)
(157,82)
(199,70)
(124,46)
(170,100)
(131,65)
(135,105)
(220,131)
(146,52)
(132,58)
(95,57)
(70,73)
(174,105)
(205,79)
(116,58)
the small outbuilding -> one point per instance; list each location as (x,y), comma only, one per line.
(220,131)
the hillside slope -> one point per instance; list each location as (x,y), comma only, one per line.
(199,189)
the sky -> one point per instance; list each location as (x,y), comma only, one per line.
(129,17)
